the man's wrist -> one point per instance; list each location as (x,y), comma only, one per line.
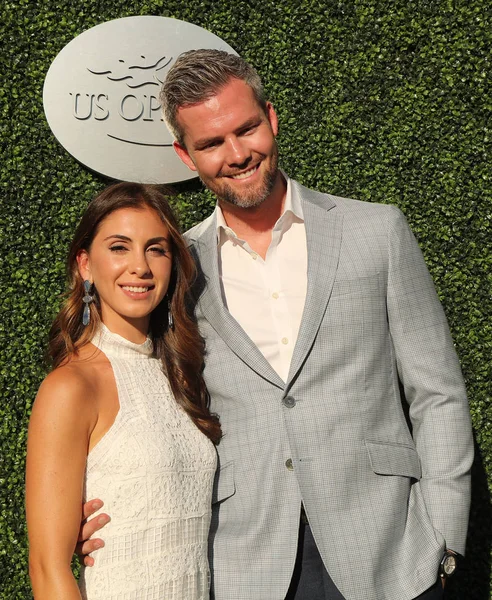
(449,563)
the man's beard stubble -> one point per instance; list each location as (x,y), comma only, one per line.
(230,196)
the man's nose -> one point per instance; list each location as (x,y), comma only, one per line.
(238,153)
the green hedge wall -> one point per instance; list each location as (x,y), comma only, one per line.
(385,101)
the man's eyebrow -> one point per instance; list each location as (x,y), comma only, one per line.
(202,143)
(252,122)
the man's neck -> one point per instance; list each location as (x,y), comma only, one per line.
(254,225)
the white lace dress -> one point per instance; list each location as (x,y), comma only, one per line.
(154,471)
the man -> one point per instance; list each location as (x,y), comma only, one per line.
(316,311)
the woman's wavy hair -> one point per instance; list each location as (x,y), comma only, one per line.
(180,348)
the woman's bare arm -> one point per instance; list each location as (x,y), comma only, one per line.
(62,419)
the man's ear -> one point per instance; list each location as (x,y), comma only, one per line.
(183,154)
(84,264)
(272,117)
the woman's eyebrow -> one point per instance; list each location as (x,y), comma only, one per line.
(119,236)
(125,238)
(156,240)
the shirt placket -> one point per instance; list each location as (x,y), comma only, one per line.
(279,306)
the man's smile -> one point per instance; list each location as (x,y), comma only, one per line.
(245,174)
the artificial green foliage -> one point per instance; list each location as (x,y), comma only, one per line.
(385,101)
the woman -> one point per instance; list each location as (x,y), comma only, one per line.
(124,414)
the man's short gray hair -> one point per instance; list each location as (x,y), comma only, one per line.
(198,75)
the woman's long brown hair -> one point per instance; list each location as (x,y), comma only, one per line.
(180,348)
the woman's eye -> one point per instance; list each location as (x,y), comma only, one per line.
(158,250)
(117,248)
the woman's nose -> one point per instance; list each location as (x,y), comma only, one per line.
(140,266)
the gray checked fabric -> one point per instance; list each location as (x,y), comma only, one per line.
(383,498)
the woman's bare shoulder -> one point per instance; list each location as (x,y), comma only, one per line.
(74,385)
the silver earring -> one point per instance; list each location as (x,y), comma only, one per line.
(170,320)
(87,299)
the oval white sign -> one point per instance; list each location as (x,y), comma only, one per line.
(101,96)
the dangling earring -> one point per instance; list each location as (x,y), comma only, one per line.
(170,320)
(87,299)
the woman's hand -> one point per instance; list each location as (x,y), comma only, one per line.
(88,528)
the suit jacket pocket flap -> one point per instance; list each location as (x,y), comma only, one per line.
(224,486)
(394,459)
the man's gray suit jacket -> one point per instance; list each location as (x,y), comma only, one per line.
(384,492)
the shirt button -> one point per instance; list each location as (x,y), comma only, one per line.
(289,402)
(275,295)
(285,341)
(254,256)
(289,465)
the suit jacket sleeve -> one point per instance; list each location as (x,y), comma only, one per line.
(433,385)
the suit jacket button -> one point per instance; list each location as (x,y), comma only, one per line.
(289,402)
(289,465)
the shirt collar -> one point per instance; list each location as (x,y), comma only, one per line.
(292,213)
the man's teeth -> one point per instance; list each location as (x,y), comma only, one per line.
(246,174)
(132,288)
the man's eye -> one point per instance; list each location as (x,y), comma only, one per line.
(251,129)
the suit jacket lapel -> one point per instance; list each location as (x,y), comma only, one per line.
(212,306)
(324,234)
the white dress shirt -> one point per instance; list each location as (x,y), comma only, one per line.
(266,297)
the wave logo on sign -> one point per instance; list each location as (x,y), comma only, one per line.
(137,76)
(101,96)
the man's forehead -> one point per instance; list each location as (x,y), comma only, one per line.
(211,103)
(234,90)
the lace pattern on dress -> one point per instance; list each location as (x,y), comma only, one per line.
(154,470)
